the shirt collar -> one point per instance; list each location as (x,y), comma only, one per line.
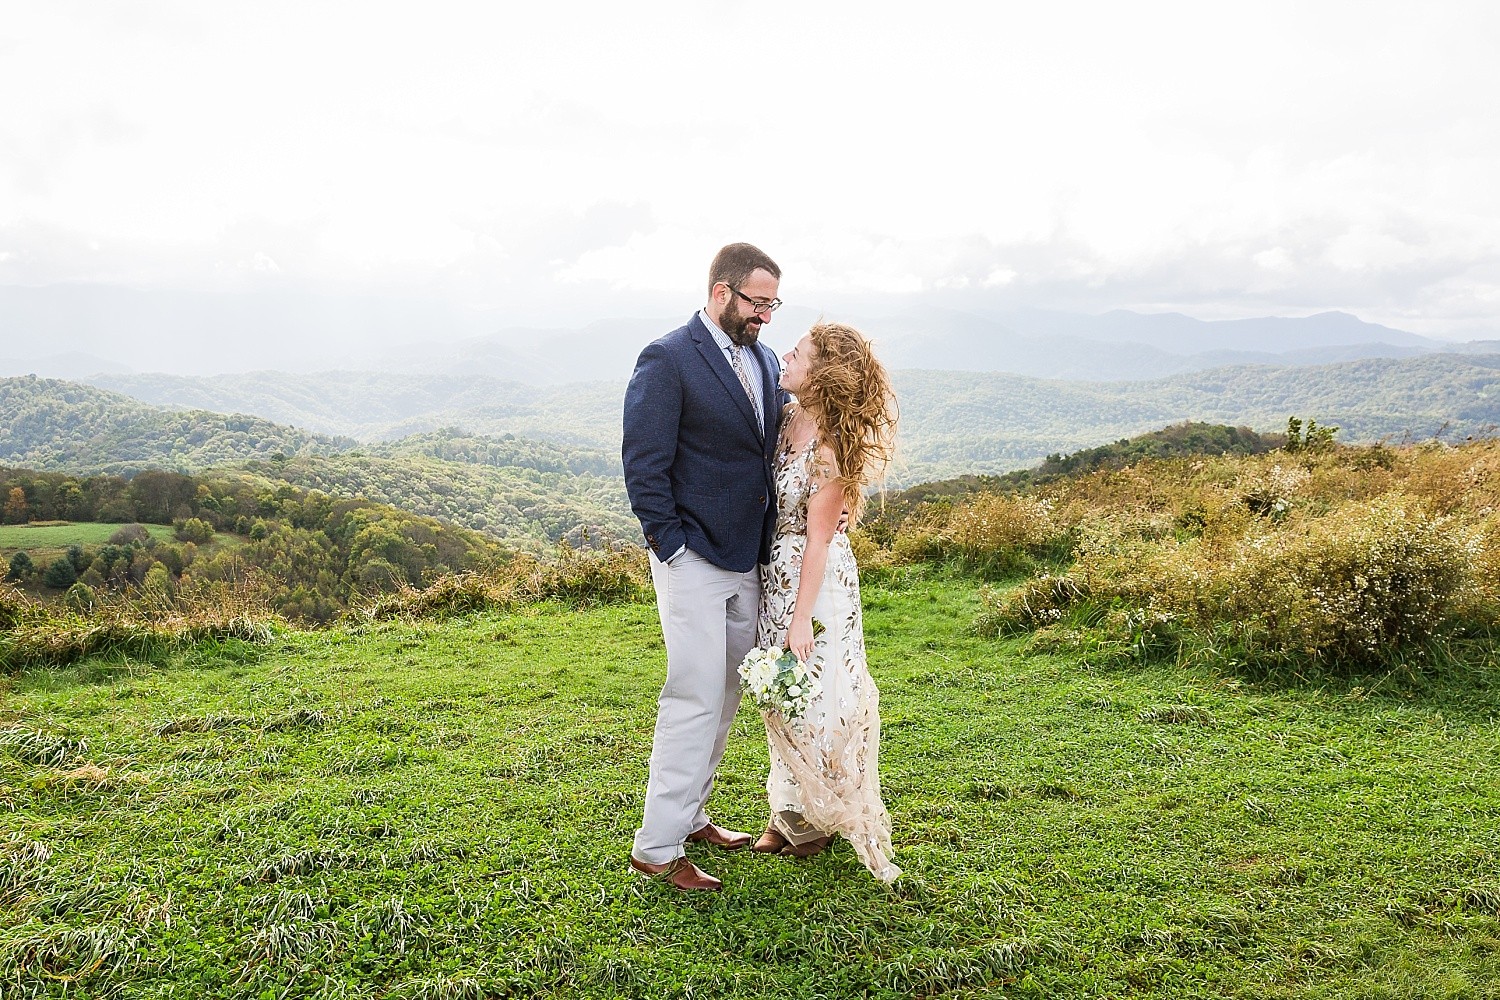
(720,337)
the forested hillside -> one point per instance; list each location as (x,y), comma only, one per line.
(504,451)
(952,423)
(381,406)
(528,493)
(1003,422)
(303,552)
(51,424)
(523,507)
(1189,438)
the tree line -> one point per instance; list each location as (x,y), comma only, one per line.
(305,552)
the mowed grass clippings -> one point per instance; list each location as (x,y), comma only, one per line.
(444,810)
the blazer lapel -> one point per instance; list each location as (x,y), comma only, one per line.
(715,357)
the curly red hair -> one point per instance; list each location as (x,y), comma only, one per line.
(848,393)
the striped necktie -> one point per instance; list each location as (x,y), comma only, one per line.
(737,362)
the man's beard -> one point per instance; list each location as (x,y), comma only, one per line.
(737,326)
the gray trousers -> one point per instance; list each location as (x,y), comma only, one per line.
(708,618)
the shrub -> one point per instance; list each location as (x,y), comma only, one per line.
(14,608)
(130,534)
(50,639)
(1356,586)
(158,580)
(80,598)
(1353,588)
(1272,492)
(448,596)
(1039,602)
(1314,439)
(60,574)
(1482,602)
(195,530)
(21,567)
(990,532)
(868,554)
(581,578)
(587,577)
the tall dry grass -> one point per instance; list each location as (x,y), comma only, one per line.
(1350,557)
(581,577)
(136,624)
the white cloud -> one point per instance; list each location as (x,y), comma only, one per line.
(1276,260)
(566,158)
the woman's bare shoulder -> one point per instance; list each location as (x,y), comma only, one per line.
(825,462)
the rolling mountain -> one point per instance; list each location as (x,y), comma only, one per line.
(524,507)
(527,493)
(952,422)
(533,465)
(79,330)
(383,406)
(51,424)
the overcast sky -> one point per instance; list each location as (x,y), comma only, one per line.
(552,163)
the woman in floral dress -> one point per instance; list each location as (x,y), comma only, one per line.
(824,778)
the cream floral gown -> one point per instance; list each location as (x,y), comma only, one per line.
(824,776)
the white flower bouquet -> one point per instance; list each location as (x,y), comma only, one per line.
(778,681)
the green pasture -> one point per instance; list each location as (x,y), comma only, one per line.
(33,537)
(444,810)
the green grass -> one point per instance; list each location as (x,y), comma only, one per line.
(32,537)
(444,810)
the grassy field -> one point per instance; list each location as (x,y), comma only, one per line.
(36,537)
(444,810)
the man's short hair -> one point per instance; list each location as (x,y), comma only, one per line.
(736,262)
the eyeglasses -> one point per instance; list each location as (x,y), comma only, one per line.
(756,305)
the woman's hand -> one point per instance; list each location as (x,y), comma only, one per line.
(799,638)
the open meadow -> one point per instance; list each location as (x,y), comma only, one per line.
(444,809)
(56,536)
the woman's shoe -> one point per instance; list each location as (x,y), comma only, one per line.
(815,846)
(770,842)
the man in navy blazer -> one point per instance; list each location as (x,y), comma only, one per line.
(701,418)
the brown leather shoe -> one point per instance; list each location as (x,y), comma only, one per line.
(679,874)
(770,842)
(815,846)
(729,840)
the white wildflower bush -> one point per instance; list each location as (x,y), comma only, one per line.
(1360,584)
(1272,492)
(1356,586)
(1119,558)
(1479,604)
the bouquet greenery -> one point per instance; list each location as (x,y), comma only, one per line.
(779,682)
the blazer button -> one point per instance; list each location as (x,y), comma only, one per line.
(762,499)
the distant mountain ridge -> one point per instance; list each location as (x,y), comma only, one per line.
(1128,345)
(80,330)
(531,464)
(54,424)
(952,423)
(377,406)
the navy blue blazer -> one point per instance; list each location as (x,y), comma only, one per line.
(697,469)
